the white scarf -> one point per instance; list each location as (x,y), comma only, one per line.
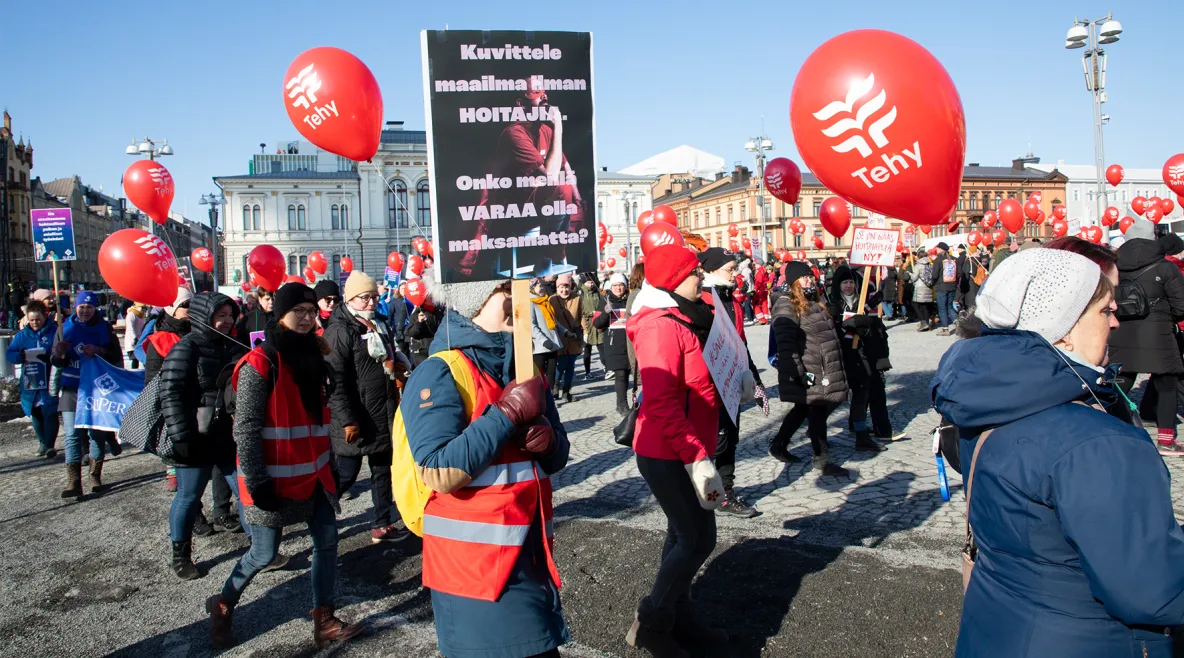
(376,343)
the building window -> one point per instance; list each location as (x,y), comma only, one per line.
(838,240)
(797,240)
(797,208)
(246,218)
(973,201)
(300,217)
(303,264)
(696,219)
(423,205)
(291,217)
(998,199)
(729,214)
(292,265)
(344,216)
(1124,195)
(743,210)
(634,210)
(817,208)
(255,213)
(396,205)
(961,202)
(1076,194)
(717,215)
(335,217)
(1090,194)
(600,211)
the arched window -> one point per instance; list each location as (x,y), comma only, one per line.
(300,217)
(344,216)
(291,217)
(335,214)
(396,205)
(255,211)
(423,205)
(292,265)
(246,218)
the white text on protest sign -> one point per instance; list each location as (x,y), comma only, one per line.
(874,247)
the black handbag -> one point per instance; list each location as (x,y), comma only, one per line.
(623,432)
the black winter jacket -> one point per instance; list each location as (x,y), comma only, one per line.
(872,352)
(612,322)
(192,379)
(420,334)
(363,395)
(807,345)
(1148,345)
(254,320)
(152,359)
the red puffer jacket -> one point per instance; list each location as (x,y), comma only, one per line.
(679,415)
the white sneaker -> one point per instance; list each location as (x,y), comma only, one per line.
(608,374)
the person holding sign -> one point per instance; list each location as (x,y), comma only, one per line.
(864,364)
(30,348)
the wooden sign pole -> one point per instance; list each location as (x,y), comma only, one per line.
(523,342)
(57,298)
(867,275)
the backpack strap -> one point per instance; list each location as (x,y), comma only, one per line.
(459,367)
(970,480)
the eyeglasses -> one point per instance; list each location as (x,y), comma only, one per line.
(331,300)
(367,298)
(303,313)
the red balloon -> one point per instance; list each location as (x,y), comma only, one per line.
(415,265)
(623,251)
(746,242)
(602,265)
(294,278)
(416,291)
(1167,206)
(733,230)
(1031,210)
(1060,227)
(149,186)
(953,227)
(835,216)
(989,219)
(268,265)
(422,245)
(818,242)
(641,258)
(1011,215)
(610,261)
(1180,200)
(877,119)
(1061,212)
(733,245)
(1109,216)
(1153,201)
(783,179)
(645,219)
(202,259)
(1153,213)
(974,238)
(1093,234)
(1037,197)
(999,236)
(926,229)
(609,238)
(395,261)
(1125,223)
(245,285)
(658,234)
(666,214)
(601,231)
(181,282)
(316,260)
(347,264)
(785,256)
(801,255)
(1114,174)
(1039,218)
(334,101)
(797,227)
(310,274)
(139,266)
(1173,173)
(1138,204)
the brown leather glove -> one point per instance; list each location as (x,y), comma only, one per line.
(522,403)
(539,438)
(352,433)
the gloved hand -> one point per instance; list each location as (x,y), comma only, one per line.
(762,398)
(265,496)
(523,402)
(709,486)
(747,386)
(352,433)
(539,438)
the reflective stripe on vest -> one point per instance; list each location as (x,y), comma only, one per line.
(296,470)
(295,432)
(475,531)
(513,473)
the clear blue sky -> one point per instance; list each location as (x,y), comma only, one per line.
(82,78)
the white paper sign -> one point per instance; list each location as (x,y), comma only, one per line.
(1074,226)
(726,357)
(874,247)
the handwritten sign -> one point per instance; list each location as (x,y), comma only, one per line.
(726,357)
(874,247)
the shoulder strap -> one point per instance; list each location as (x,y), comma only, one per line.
(459,367)
(1141,271)
(970,477)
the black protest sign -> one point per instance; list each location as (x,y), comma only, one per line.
(510,149)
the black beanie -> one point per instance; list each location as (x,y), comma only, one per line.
(327,288)
(1170,244)
(714,258)
(291,294)
(795,270)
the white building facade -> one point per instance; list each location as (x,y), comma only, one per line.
(302,199)
(620,199)
(1082,193)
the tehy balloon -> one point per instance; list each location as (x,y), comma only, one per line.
(783,179)
(1125,223)
(1173,173)
(149,186)
(1060,228)
(347,264)
(1138,204)
(1011,215)
(316,260)
(666,214)
(202,259)
(1114,174)
(658,234)
(835,216)
(139,266)
(268,265)
(334,101)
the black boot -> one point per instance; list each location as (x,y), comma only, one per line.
(779,451)
(183,560)
(691,630)
(652,630)
(865,443)
(824,467)
(736,506)
(567,394)
(73,481)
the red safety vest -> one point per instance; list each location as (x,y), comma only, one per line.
(737,311)
(472,537)
(295,445)
(163,341)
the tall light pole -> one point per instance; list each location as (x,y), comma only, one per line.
(626,197)
(214,201)
(1092,35)
(759,145)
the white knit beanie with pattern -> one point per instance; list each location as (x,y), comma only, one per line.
(1040,290)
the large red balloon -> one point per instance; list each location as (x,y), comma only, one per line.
(989,219)
(416,291)
(817,241)
(1114,174)
(645,219)
(335,102)
(623,251)
(658,234)
(1061,212)
(202,259)
(783,179)
(347,264)
(835,216)
(139,266)
(1109,216)
(1011,215)
(1032,210)
(149,186)
(415,265)
(316,260)
(310,275)
(1153,213)
(1125,223)
(974,238)
(999,236)
(395,261)
(1093,234)
(1173,173)
(1167,206)
(733,230)
(877,119)
(1138,204)
(1060,227)
(293,278)
(268,265)
(666,214)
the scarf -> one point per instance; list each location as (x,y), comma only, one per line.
(375,338)
(699,313)
(544,304)
(169,323)
(302,354)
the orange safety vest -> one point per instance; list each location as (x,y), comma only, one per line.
(295,445)
(472,537)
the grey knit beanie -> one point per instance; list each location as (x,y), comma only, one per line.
(465,298)
(1040,290)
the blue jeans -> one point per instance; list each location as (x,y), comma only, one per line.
(565,370)
(75,437)
(945,306)
(45,426)
(191,484)
(889,309)
(265,543)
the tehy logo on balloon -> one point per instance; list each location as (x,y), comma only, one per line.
(847,122)
(154,246)
(302,90)
(162,178)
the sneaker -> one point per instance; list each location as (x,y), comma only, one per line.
(608,374)
(781,453)
(391,533)
(170,483)
(943,332)
(736,506)
(1170,449)
(228,523)
(202,527)
(279,562)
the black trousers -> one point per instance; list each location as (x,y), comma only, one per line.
(221,493)
(725,449)
(621,384)
(545,362)
(690,538)
(588,358)
(816,414)
(871,392)
(924,311)
(1159,400)
(380,482)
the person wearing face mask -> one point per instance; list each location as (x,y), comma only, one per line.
(810,371)
(1079,552)
(30,348)
(864,365)
(615,355)
(328,298)
(365,366)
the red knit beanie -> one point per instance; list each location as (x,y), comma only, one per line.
(669,265)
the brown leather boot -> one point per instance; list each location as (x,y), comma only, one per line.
(221,630)
(73,481)
(326,628)
(96,475)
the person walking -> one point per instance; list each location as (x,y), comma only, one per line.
(1078,551)
(258,318)
(31,348)
(544,332)
(424,323)
(760,293)
(590,302)
(198,423)
(486,443)
(615,355)
(888,290)
(566,306)
(922,278)
(810,371)
(364,366)
(863,365)
(945,287)
(84,336)
(167,329)
(133,326)
(675,438)
(285,472)
(636,282)
(328,298)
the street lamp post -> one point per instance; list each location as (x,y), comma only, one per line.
(214,201)
(1092,35)
(759,145)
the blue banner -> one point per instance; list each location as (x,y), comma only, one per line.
(105,393)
